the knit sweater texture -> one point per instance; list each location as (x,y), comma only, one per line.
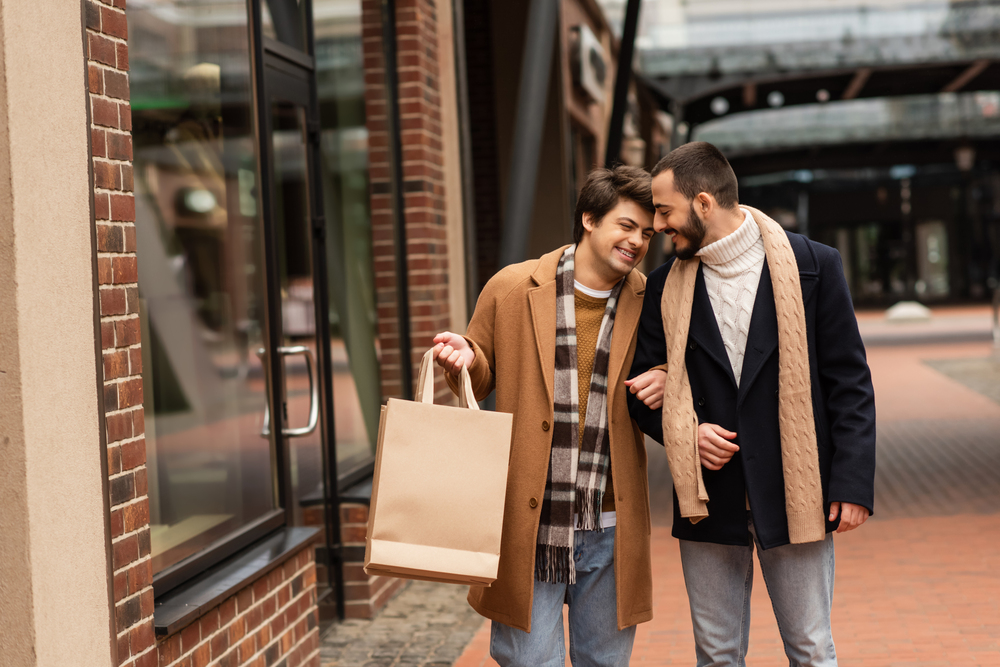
(732,267)
(589,315)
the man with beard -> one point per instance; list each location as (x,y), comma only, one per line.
(768,413)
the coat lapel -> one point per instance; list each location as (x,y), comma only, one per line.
(762,338)
(626,323)
(542,301)
(704,328)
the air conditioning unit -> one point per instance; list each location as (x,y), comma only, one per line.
(588,62)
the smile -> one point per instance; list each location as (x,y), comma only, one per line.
(630,255)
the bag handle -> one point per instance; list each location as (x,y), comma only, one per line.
(425,384)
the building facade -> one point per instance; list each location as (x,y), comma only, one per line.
(228,229)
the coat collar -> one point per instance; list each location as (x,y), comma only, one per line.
(542,300)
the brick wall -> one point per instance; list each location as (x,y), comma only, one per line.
(423,183)
(271,622)
(114,209)
(364,594)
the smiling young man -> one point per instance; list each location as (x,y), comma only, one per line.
(768,411)
(555,336)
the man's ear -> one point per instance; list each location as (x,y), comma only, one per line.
(704,202)
(588,222)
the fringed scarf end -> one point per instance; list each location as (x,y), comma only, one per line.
(554,565)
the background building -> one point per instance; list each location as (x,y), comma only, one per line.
(229,229)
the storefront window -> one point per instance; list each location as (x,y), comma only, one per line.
(201,275)
(344,157)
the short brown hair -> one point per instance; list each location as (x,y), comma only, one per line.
(605,188)
(701,167)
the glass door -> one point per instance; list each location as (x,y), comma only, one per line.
(303,413)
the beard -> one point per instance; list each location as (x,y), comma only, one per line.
(694,232)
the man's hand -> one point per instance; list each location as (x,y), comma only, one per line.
(851,515)
(714,446)
(648,387)
(452,351)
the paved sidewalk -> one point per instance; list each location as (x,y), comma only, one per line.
(918,585)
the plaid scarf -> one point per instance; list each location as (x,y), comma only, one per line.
(577,472)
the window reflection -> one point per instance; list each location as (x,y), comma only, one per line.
(344,158)
(200,276)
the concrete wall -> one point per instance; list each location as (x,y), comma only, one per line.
(54,605)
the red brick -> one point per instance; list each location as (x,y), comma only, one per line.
(121,51)
(136,516)
(114,459)
(107,334)
(128,332)
(169,650)
(124,653)
(124,268)
(116,85)
(104,276)
(110,397)
(119,426)
(123,206)
(141,637)
(141,482)
(120,586)
(220,644)
(113,23)
(129,230)
(109,238)
(104,112)
(119,146)
(130,393)
(101,49)
(113,301)
(244,600)
(102,206)
(147,600)
(95,78)
(115,364)
(135,360)
(125,551)
(202,655)
(138,421)
(247,648)
(98,142)
(133,454)
(125,116)
(147,659)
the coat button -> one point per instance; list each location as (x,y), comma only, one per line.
(532,503)
(701,401)
(692,345)
(545,427)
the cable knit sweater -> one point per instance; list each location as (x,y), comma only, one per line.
(732,267)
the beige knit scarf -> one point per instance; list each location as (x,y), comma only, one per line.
(799,455)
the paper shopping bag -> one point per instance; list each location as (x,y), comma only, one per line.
(438,493)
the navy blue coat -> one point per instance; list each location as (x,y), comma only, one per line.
(843,399)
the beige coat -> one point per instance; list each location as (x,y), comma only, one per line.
(513,333)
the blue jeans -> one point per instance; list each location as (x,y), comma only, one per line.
(799,579)
(594,637)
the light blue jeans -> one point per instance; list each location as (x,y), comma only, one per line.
(594,638)
(799,579)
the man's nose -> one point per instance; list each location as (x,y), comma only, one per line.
(659,223)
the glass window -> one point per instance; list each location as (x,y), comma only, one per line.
(344,157)
(285,21)
(200,273)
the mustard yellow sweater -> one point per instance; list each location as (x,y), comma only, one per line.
(589,314)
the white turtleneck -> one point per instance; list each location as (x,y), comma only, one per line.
(732,267)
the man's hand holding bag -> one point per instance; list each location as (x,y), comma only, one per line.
(439,487)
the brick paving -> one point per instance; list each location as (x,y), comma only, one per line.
(919,584)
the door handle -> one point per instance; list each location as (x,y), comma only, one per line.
(313,390)
(265,430)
